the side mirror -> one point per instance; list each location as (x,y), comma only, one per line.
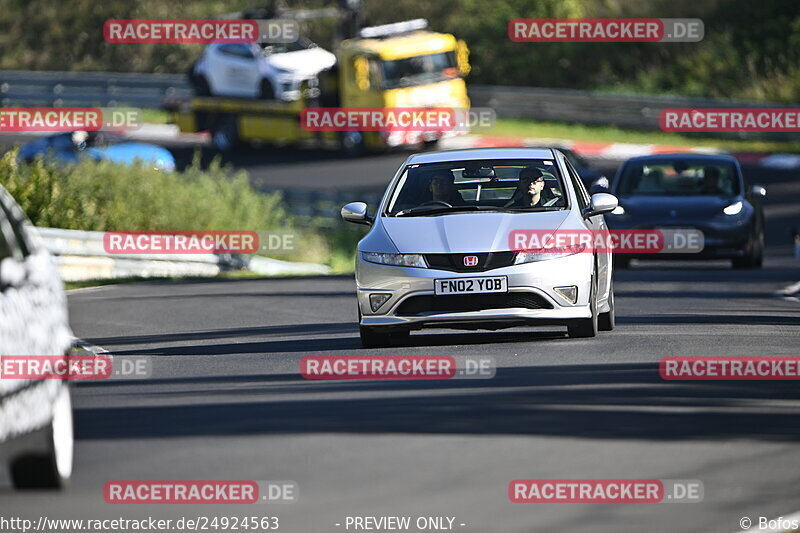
(600,204)
(758,191)
(356,212)
(12,273)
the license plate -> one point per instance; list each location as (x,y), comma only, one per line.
(470,285)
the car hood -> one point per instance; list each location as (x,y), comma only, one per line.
(674,207)
(310,61)
(467,232)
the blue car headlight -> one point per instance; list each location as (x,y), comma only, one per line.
(733,209)
(405,260)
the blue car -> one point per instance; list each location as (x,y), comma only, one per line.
(70,148)
(691,191)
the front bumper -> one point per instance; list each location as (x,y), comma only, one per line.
(533,281)
(722,239)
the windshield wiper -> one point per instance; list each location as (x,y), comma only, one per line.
(433,209)
(535,209)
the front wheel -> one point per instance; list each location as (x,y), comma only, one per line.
(608,320)
(352,143)
(586,327)
(266,92)
(225,134)
(50,470)
(755,257)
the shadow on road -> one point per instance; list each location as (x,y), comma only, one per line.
(604,401)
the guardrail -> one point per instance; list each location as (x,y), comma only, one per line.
(109,89)
(89,89)
(81,256)
(639,111)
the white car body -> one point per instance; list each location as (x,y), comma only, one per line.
(531,297)
(35,414)
(239,70)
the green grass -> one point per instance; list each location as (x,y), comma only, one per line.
(155,116)
(612,134)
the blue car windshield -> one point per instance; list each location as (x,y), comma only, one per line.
(679,177)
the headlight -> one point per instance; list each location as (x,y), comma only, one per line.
(406,260)
(733,209)
(619,210)
(553,253)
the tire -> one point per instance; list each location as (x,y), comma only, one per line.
(201,86)
(621,262)
(430,145)
(267,92)
(755,259)
(582,328)
(52,469)
(608,320)
(352,143)
(225,134)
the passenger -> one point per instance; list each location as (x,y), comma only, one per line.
(529,189)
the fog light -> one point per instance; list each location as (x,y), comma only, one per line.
(377,300)
(569,293)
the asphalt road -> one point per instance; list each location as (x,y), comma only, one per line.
(226,401)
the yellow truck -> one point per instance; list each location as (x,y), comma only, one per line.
(398,65)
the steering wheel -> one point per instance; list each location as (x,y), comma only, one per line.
(434,202)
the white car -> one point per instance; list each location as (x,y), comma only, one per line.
(252,70)
(439,253)
(35,414)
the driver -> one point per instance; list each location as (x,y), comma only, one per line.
(443,189)
(711,180)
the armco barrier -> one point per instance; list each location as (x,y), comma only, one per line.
(89,89)
(640,111)
(81,256)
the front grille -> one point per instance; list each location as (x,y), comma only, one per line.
(455,303)
(455,262)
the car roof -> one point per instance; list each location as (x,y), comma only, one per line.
(685,155)
(469,154)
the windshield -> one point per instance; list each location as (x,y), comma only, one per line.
(508,185)
(419,70)
(680,177)
(284,48)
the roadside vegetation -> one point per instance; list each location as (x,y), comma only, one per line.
(102,196)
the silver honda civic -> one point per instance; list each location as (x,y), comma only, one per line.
(449,247)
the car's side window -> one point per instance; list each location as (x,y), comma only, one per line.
(8,245)
(16,218)
(580,191)
(236,50)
